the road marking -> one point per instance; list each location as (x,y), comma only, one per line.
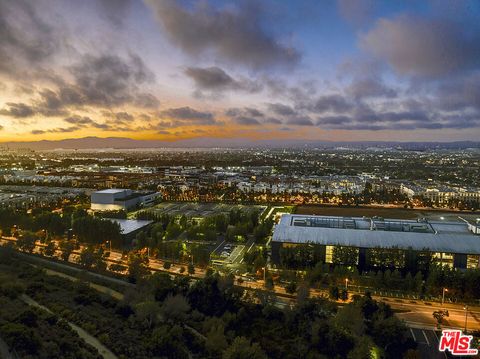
(413,335)
(423,331)
(436,336)
(218,247)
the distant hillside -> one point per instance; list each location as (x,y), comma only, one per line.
(123,142)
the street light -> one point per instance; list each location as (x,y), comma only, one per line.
(466,314)
(346,283)
(264,274)
(443,295)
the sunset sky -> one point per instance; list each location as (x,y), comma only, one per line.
(316,70)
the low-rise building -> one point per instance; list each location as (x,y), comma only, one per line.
(121,199)
(456,244)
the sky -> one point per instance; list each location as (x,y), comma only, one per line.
(345,70)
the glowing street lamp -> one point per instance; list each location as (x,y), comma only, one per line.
(346,283)
(443,295)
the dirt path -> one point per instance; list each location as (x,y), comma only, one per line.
(102,350)
(111,292)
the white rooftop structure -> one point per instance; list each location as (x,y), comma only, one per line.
(362,232)
(128,226)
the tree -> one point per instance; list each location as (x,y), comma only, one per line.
(242,348)
(175,308)
(291,287)
(50,249)
(216,341)
(137,267)
(191,269)
(334,293)
(148,312)
(66,247)
(26,242)
(167,265)
(344,295)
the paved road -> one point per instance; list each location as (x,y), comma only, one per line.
(418,314)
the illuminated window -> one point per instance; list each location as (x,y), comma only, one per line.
(444,259)
(473,262)
(328,254)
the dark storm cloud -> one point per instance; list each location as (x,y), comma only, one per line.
(369,88)
(84,121)
(100,81)
(459,93)
(423,47)
(18,110)
(274,121)
(235,35)
(25,38)
(216,79)
(300,121)
(281,109)
(246,121)
(328,103)
(333,120)
(56,130)
(50,104)
(188,113)
(108,80)
(245,111)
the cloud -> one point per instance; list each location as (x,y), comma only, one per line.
(114,11)
(18,110)
(356,12)
(281,109)
(334,120)
(25,38)
(233,34)
(188,113)
(274,121)
(300,121)
(109,80)
(328,103)
(370,88)
(216,80)
(56,130)
(246,121)
(416,46)
(460,93)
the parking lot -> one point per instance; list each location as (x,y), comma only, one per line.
(427,341)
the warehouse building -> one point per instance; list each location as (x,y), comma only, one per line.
(118,199)
(369,240)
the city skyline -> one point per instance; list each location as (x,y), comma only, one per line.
(173,70)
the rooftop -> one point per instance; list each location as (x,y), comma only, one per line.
(111,190)
(436,236)
(130,225)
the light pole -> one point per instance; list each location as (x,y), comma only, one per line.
(443,295)
(346,283)
(264,274)
(466,315)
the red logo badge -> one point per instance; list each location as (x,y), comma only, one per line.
(456,343)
